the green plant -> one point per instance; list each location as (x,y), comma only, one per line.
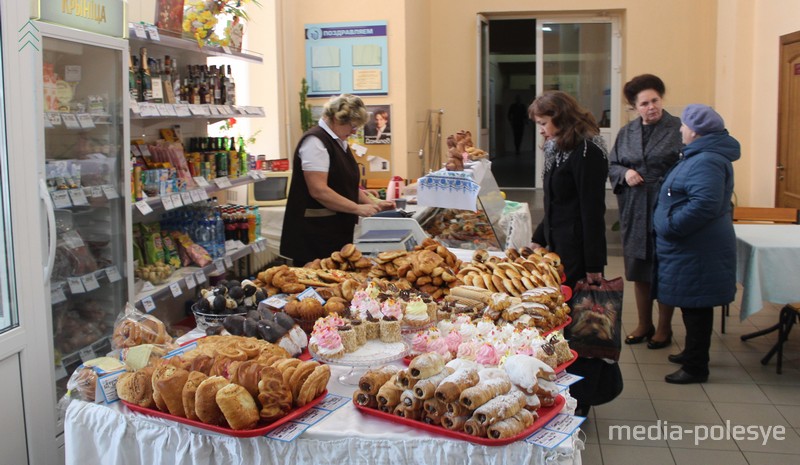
(306,119)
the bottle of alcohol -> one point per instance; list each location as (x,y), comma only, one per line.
(133,80)
(146,92)
(155,80)
(203,91)
(222,83)
(231,87)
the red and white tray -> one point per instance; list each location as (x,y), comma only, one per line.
(545,415)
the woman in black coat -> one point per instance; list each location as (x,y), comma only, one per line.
(645,150)
(574,226)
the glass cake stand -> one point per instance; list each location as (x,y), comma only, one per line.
(372,354)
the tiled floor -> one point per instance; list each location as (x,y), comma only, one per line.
(740,392)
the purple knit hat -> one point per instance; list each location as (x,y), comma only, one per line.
(702,119)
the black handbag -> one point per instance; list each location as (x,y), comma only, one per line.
(596,311)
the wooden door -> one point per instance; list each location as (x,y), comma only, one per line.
(787,185)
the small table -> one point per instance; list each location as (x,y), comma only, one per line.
(767,265)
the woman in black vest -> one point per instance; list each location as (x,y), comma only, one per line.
(324,199)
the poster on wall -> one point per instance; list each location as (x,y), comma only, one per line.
(347,58)
(378,129)
(169,15)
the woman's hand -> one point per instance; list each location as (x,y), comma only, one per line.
(594,278)
(633,178)
(387,205)
(367,209)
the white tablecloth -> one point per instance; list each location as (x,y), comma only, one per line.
(767,265)
(98,434)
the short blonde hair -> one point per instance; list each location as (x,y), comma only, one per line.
(346,109)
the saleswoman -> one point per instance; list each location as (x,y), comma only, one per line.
(324,199)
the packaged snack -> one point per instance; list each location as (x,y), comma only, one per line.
(170,251)
(133,328)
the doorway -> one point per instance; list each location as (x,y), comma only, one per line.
(521,58)
(787,180)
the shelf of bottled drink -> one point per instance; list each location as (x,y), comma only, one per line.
(173,41)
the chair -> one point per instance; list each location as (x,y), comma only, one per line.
(759,215)
(788,317)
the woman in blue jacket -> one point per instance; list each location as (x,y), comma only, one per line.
(695,245)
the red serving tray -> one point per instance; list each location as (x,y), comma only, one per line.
(563,325)
(545,415)
(242,433)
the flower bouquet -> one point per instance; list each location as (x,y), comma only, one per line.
(201,17)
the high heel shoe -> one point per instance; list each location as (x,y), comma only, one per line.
(653,344)
(630,339)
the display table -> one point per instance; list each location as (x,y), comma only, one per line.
(767,265)
(99,434)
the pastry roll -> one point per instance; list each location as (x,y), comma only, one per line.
(170,386)
(364,399)
(389,394)
(450,387)
(404,380)
(473,428)
(402,411)
(454,422)
(205,400)
(500,408)
(238,406)
(434,406)
(475,396)
(136,387)
(431,418)
(458,409)
(372,380)
(273,394)
(426,387)
(189,391)
(426,365)
(511,426)
(410,401)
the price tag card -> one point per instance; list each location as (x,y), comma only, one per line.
(228,262)
(175,288)
(134,106)
(213,110)
(200,277)
(567,379)
(47,124)
(168,110)
(254,174)
(72,239)
(75,285)
(223,110)
(148,304)
(90,282)
(113,274)
(61,199)
(70,121)
(287,432)
(110,192)
(226,49)
(333,402)
(201,181)
(61,372)
(148,109)
(186,198)
(87,353)
(152,31)
(203,109)
(78,197)
(546,438)
(148,287)
(310,292)
(85,120)
(190,282)
(312,416)
(203,194)
(182,110)
(143,207)
(167,201)
(219,266)
(277,301)
(196,110)
(223,182)
(138,29)
(57,296)
(177,200)
(54,118)
(95,191)
(564,423)
(196,195)
(259,111)
(160,108)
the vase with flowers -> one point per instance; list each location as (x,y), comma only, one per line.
(201,18)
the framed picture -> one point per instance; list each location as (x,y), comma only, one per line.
(169,15)
(378,129)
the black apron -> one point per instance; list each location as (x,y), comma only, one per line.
(310,230)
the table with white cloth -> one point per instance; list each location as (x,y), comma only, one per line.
(767,265)
(100,434)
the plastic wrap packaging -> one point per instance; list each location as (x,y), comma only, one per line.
(133,328)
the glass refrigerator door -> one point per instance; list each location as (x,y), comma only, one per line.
(84,162)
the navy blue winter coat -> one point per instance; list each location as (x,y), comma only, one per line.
(695,245)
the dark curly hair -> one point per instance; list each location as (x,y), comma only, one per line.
(640,83)
(574,122)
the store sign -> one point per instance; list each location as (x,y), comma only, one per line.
(101,16)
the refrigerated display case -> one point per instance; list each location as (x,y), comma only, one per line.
(85,189)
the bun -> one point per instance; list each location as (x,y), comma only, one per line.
(205,400)
(170,387)
(310,309)
(85,381)
(238,406)
(189,392)
(136,387)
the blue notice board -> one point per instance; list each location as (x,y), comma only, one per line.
(347,58)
